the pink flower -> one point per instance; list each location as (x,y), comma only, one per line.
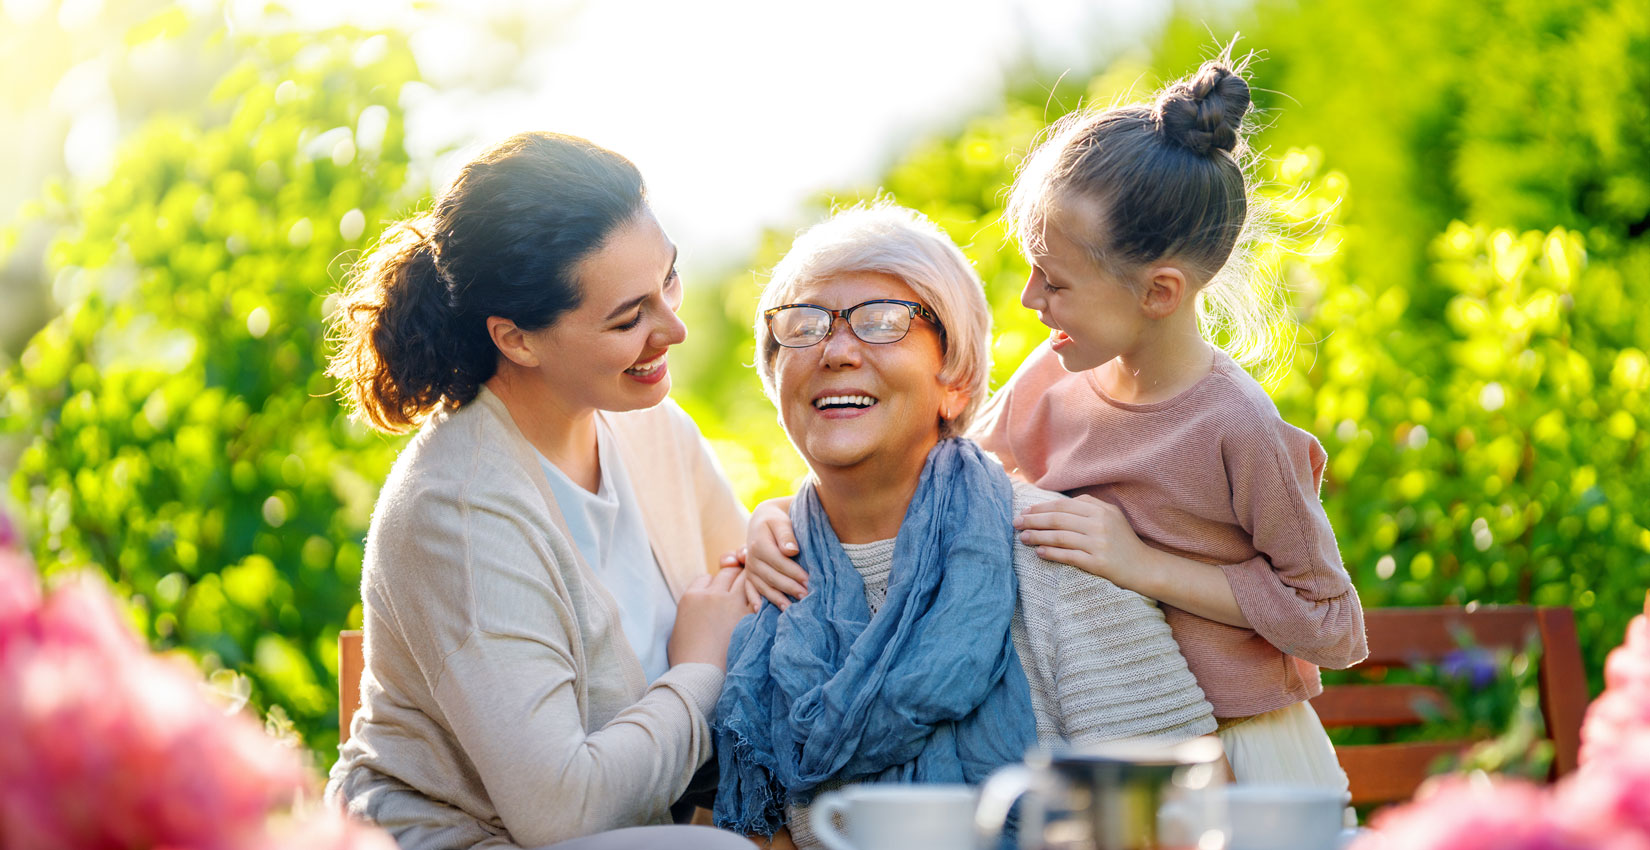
(1624,707)
(108,746)
(19,595)
(1462,814)
(105,745)
(1628,665)
(327,829)
(1610,795)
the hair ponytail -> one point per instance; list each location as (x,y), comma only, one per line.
(393,332)
(505,239)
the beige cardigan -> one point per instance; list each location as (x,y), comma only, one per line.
(502,704)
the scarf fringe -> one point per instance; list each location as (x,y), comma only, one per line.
(765,814)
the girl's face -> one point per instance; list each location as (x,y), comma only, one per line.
(1094,315)
(609,352)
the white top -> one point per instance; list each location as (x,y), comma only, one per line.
(607,528)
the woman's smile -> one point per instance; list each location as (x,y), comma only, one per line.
(651,371)
(844,403)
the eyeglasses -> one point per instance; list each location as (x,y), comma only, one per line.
(880,322)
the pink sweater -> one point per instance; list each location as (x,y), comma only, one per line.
(1215,475)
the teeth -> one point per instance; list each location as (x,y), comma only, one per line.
(840,400)
(642,368)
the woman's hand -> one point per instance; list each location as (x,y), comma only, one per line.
(1088,534)
(769,548)
(705,618)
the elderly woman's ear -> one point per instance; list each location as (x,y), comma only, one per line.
(953,401)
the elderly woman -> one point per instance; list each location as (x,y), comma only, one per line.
(932,646)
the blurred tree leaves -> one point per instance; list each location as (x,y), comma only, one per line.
(182,435)
(1463,195)
(1459,195)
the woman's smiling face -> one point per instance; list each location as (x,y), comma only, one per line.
(609,352)
(845,402)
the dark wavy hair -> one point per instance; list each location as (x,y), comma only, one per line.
(505,239)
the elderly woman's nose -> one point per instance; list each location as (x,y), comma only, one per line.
(842,346)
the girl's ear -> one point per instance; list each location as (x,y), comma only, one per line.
(1166,288)
(512,342)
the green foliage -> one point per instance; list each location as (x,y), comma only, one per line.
(1476,347)
(1461,197)
(181,433)
(1464,192)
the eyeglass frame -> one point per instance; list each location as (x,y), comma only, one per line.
(918,311)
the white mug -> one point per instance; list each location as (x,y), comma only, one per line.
(1281,817)
(897,817)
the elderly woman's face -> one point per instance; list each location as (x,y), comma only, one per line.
(845,402)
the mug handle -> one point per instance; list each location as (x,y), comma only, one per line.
(824,826)
(1002,790)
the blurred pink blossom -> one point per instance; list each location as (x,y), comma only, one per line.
(1610,795)
(109,746)
(327,828)
(1472,814)
(1604,805)
(1625,704)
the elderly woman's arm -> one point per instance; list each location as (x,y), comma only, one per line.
(1103,657)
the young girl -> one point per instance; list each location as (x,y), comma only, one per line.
(1189,487)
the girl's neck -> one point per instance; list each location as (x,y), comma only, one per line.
(1170,358)
(564,435)
(867,502)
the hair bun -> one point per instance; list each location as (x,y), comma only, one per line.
(1205,113)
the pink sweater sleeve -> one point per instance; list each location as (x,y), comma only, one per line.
(1295,593)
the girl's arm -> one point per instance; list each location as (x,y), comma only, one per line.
(769,549)
(1095,537)
(1295,592)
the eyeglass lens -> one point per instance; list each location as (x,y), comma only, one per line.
(873,322)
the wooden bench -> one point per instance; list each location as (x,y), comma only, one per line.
(351,661)
(1399,637)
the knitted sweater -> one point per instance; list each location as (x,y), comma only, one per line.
(502,704)
(1214,475)
(1100,660)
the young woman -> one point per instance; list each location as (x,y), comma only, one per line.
(545,630)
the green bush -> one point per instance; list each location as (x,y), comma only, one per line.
(1465,192)
(180,432)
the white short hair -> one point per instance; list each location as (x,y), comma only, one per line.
(893,240)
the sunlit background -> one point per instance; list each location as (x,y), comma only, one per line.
(1460,195)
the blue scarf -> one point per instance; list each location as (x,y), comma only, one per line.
(928,690)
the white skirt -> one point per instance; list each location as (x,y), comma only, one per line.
(1286,746)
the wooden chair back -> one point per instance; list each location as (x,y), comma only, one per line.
(351,661)
(1398,637)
